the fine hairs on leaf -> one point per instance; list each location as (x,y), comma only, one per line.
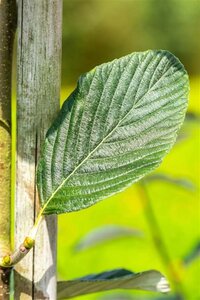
(116,127)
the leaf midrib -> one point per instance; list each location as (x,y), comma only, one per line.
(81,163)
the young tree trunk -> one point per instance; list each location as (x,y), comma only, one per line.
(7,29)
(38,90)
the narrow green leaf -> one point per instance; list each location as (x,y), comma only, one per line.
(104,234)
(117,279)
(181,182)
(116,127)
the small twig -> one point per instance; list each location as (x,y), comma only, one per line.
(12,259)
(159,242)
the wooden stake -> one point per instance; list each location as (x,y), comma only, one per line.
(38,89)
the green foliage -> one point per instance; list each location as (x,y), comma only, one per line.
(95,31)
(116,127)
(149,281)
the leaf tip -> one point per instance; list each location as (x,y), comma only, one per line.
(163,285)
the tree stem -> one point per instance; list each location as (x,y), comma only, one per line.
(7,30)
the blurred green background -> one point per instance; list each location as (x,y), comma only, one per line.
(96,31)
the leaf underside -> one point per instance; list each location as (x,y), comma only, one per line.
(116,127)
(117,279)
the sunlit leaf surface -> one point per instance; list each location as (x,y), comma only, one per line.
(116,127)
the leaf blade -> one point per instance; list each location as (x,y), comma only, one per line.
(109,133)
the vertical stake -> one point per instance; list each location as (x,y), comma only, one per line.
(38,90)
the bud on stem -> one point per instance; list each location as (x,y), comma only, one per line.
(12,259)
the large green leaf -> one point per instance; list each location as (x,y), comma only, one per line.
(117,279)
(117,126)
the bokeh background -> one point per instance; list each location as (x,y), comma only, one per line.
(164,221)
